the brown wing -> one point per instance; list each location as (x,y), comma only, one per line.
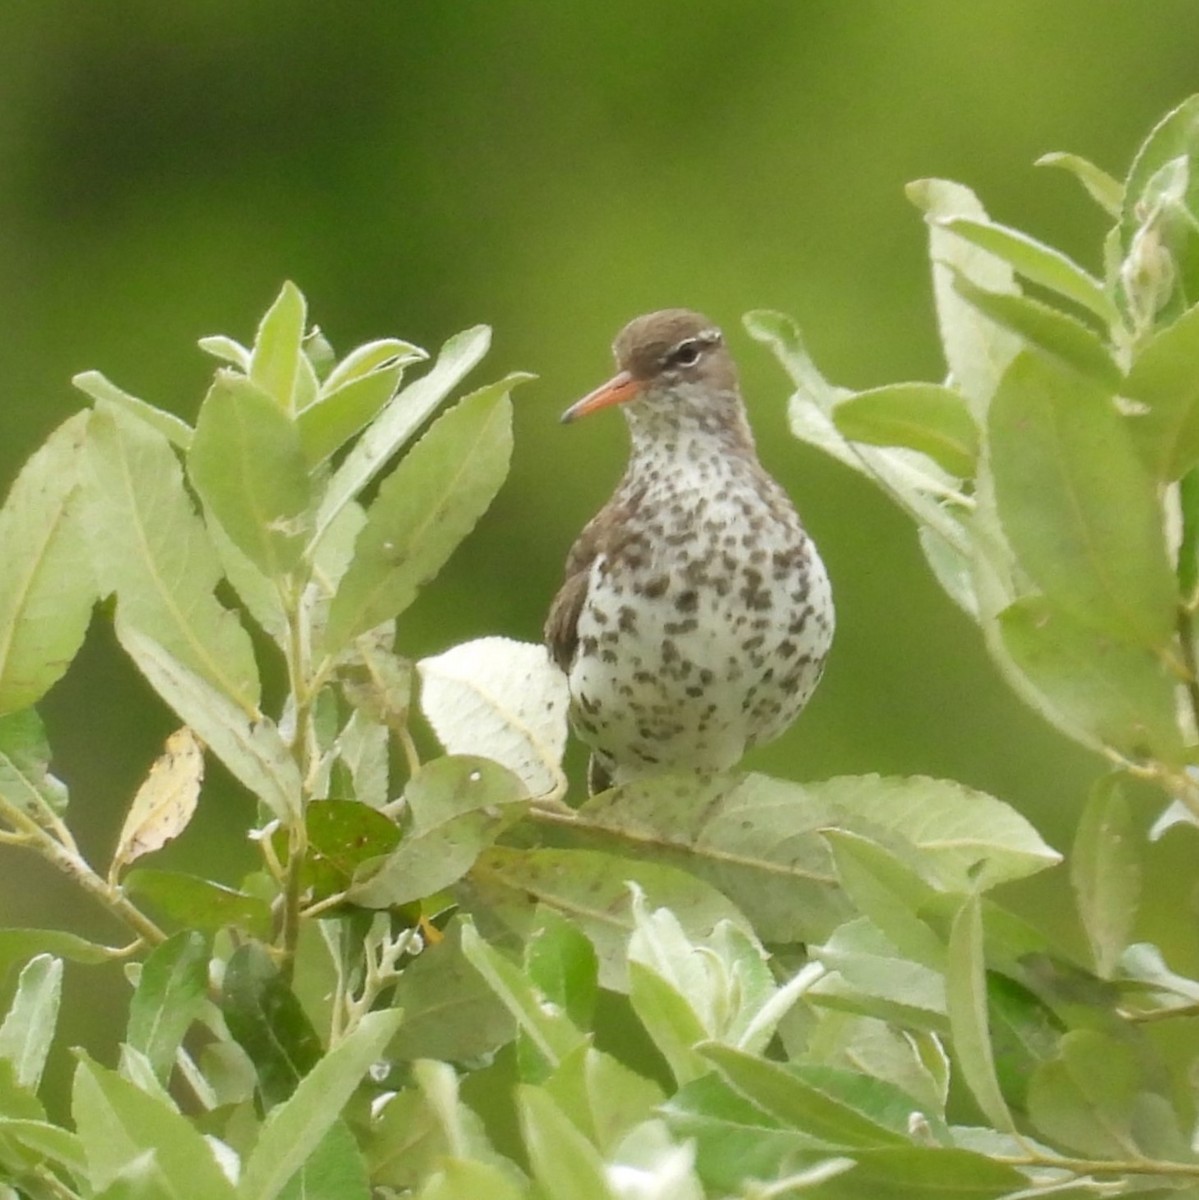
(607,533)
(562,624)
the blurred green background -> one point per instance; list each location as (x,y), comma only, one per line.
(553,169)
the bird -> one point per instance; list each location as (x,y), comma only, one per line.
(695,615)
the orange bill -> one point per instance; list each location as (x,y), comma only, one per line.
(620,389)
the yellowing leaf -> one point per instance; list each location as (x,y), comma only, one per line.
(165,802)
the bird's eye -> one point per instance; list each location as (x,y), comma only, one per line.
(686,354)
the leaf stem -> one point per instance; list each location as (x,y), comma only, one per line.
(1099,1166)
(1186,640)
(66,858)
(298,655)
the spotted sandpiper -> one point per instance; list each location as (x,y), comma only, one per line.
(696,614)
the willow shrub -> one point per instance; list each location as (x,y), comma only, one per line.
(451,978)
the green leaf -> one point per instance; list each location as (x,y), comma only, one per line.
(1175,135)
(247,465)
(275,360)
(1105,872)
(1024,1030)
(252,749)
(459,806)
(29,1024)
(921,416)
(342,835)
(319,355)
(47,587)
(424,508)
(295,1128)
(25,780)
(976,351)
(1076,503)
(141,1179)
(266,1020)
(1096,687)
(923,1172)
(118,1123)
(228,350)
(199,903)
(17,944)
(149,547)
(1174,138)
(966,1000)
(462,1179)
(1084,1098)
(1163,377)
(460,1128)
(915,1061)
(324,427)
(868,977)
(761,840)
(889,892)
(1037,262)
(173,428)
(450,1011)
(352,396)
(562,963)
(401,418)
(603,1097)
(670,1021)
(735,1140)
(753,838)
(369,359)
(951,568)
(377,681)
(1046,329)
(547,1027)
(39,1142)
(914,487)
(592,889)
(564,1162)
(254,589)
(363,749)
(334,1168)
(1188,544)
(786,1096)
(1107,192)
(171,993)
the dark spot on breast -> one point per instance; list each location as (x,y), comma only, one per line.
(687,601)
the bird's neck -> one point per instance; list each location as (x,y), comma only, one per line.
(687,429)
